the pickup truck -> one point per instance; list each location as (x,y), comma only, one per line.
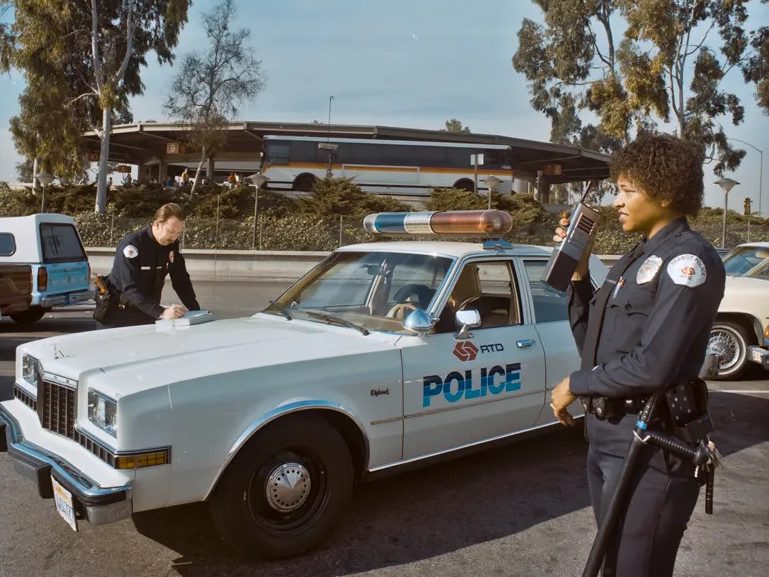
(53,263)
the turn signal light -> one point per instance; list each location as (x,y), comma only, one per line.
(42,279)
(141,460)
(464,222)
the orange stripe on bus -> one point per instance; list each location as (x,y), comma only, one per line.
(368,168)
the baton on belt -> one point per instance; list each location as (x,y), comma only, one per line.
(700,456)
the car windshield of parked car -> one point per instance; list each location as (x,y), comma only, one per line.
(760,271)
(744,258)
(373,290)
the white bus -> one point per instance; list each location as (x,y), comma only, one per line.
(391,167)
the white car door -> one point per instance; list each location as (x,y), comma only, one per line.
(458,392)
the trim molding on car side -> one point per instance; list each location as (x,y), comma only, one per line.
(282,411)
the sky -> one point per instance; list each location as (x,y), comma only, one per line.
(405,63)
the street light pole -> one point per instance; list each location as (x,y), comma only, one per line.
(760,172)
(727,184)
(328,125)
(492,182)
(45,179)
(257,180)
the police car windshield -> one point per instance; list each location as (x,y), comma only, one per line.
(374,290)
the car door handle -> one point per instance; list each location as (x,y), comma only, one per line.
(522,344)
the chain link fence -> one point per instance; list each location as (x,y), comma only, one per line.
(304,232)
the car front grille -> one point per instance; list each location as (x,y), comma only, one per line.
(56,408)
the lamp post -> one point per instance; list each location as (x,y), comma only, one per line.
(258,181)
(727,184)
(328,125)
(45,179)
(760,172)
(493,183)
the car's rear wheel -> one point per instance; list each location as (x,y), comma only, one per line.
(29,316)
(730,341)
(286,489)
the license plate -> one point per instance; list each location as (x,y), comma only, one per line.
(64,504)
(757,354)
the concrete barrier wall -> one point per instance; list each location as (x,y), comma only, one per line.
(240,265)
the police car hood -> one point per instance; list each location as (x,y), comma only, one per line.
(138,358)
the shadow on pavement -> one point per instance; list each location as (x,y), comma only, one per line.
(441,508)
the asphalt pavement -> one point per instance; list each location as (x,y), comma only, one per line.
(518,510)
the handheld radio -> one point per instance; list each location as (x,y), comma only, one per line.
(583,226)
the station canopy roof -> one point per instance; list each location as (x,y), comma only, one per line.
(150,142)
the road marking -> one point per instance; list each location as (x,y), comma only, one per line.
(740,391)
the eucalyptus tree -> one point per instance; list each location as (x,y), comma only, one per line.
(81,61)
(635,64)
(209,88)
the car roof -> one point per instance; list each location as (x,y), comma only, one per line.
(450,249)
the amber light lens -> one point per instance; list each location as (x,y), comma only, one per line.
(42,279)
(491,222)
(141,460)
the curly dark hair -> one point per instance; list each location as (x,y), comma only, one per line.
(665,168)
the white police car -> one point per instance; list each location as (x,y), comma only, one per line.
(385,354)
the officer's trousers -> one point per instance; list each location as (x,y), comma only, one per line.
(654,523)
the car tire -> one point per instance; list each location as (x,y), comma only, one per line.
(259,515)
(29,316)
(731,341)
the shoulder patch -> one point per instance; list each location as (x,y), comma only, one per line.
(130,251)
(648,270)
(687,270)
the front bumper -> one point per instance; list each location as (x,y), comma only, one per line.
(759,355)
(96,504)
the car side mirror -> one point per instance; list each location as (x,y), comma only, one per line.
(466,320)
(419,322)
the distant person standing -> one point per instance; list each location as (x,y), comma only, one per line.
(186,177)
(232,180)
(142,261)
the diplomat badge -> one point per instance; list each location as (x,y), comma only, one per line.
(687,270)
(648,270)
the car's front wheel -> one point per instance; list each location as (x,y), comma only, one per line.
(286,489)
(730,341)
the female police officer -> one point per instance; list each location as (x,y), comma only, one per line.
(142,261)
(659,302)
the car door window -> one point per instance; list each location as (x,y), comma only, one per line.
(488,287)
(550,304)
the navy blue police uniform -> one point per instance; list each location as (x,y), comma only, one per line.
(137,277)
(660,303)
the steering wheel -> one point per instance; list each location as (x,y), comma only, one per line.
(403,305)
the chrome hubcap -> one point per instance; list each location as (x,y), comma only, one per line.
(288,487)
(727,347)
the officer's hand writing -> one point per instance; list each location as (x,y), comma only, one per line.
(172,312)
(560,400)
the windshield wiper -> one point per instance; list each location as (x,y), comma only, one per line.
(282,310)
(336,320)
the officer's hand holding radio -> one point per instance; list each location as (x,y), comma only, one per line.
(582,271)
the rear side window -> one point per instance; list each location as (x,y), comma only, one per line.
(549,304)
(60,243)
(7,244)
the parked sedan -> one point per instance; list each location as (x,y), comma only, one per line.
(740,335)
(386,354)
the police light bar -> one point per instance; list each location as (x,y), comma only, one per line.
(465,222)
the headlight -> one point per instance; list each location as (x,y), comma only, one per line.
(102,412)
(31,370)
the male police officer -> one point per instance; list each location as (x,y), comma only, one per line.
(645,331)
(142,260)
